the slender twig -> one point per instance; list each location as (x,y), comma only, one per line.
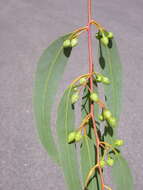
(91,70)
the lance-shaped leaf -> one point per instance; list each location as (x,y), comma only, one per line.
(88,149)
(67,152)
(49,72)
(111,67)
(121,174)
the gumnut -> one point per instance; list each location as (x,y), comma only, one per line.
(110,162)
(71,137)
(105,40)
(110,35)
(94,97)
(112,121)
(99,77)
(74,42)
(105,80)
(75,98)
(119,142)
(106,114)
(78,136)
(102,163)
(82,81)
(101,118)
(66,43)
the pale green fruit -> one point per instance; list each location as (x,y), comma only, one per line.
(105,40)
(101,118)
(74,42)
(78,136)
(119,142)
(106,114)
(94,97)
(112,121)
(105,80)
(110,35)
(71,137)
(110,162)
(66,43)
(82,81)
(75,98)
(102,163)
(99,77)
(75,89)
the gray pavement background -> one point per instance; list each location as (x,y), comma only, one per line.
(26,29)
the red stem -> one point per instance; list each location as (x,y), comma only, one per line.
(91,69)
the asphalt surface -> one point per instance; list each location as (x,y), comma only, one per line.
(26,29)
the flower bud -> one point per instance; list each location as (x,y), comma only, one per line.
(78,136)
(110,162)
(112,121)
(94,97)
(119,142)
(102,163)
(74,42)
(71,137)
(105,80)
(75,98)
(110,35)
(82,81)
(66,43)
(99,77)
(101,118)
(105,40)
(106,114)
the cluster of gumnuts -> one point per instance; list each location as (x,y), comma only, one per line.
(106,115)
(110,161)
(70,43)
(104,36)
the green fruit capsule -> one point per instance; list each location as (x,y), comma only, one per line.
(71,137)
(112,121)
(82,81)
(75,89)
(101,118)
(107,114)
(105,80)
(94,97)
(99,77)
(110,162)
(74,98)
(119,142)
(102,163)
(105,40)
(67,43)
(74,42)
(110,35)
(78,136)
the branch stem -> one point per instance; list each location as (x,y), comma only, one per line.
(91,70)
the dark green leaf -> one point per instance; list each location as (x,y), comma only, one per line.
(67,152)
(121,174)
(49,72)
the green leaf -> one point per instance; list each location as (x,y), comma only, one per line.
(49,72)
(111,67)
(88,160)
(88,149)
(67,152)
(121,174)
